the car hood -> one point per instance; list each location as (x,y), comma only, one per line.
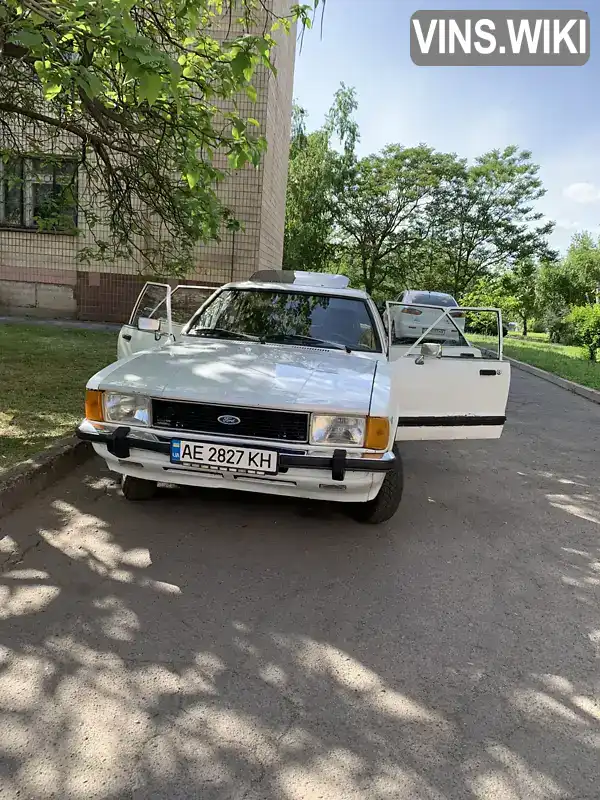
(247,374)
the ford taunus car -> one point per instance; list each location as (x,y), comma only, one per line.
(285,384)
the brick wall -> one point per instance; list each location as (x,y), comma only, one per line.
(278,131)
(40,273)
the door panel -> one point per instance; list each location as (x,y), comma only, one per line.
(152,304)
(450,398)
(462,394)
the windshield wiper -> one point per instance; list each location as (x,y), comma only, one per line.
(224,333)
(298,337)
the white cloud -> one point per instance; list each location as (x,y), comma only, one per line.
(563,164)
(582,192)
(569,225)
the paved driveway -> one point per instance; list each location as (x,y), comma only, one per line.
(228,647)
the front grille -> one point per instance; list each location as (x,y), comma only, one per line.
(255,423)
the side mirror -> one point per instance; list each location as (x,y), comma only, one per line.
(431,350)
(147,324)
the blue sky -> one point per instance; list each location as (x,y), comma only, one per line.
(552,111)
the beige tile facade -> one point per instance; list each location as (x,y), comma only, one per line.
(41,274)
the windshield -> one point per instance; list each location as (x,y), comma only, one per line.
(314,320)
(431,299)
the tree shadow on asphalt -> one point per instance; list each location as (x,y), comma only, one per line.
(220,646)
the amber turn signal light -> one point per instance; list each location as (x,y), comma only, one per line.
(378,433)
(93,405)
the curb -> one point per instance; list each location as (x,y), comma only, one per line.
(570,386)
(25,480)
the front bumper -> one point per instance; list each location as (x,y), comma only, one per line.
(119,443)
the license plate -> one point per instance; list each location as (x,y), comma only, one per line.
(223,457)
(435,330)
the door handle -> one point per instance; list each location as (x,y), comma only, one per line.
(488,372)
(127,337)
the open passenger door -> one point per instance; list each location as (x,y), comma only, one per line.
(448,388)
(159,315)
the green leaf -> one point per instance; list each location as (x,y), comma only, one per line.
(192,178)
(150,87)
(237,159)
(263,46)
(52,90)
(128,25)
(27,38)
(240,64)
(91,83)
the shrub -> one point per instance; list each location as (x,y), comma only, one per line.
(585,325)
(484,324)
(560,331)
(537,326)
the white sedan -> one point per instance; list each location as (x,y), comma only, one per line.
(284,384)
(418,315)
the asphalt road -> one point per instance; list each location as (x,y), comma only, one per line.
(231,647)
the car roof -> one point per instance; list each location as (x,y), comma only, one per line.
(297,288)
(412,292)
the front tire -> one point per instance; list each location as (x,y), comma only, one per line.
(384,506)
(137,489)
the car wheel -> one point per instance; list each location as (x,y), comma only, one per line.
(384,506)
(137,488)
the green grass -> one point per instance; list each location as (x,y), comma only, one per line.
(531,336)
(566,362)
(43,372)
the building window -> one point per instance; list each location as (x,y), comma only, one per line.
(40,194)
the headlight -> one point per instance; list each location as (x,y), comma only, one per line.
(133,409)
(327,429)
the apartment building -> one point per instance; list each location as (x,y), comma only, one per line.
(42,275)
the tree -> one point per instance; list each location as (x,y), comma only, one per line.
(316,173)
(559,288)
(571,282)
(141,94)
(482,219)
(380,210)
(488,292)
(582,264)
(584,322)
(520,285)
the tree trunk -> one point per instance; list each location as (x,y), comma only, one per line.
(525,326)
(592,352)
